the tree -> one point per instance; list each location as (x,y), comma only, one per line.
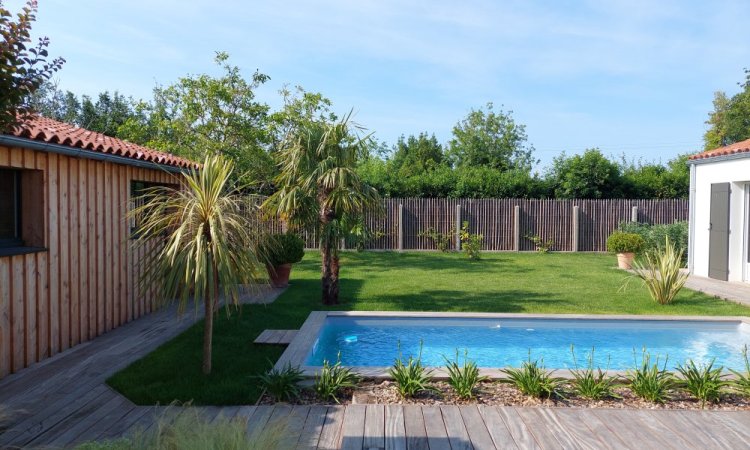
(729,122)
(417,154)
(491,139)
(590,175)
(208,245)
(319,188)
(22,68)
(201,116)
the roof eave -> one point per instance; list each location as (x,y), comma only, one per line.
(719,158)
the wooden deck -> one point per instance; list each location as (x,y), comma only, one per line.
(280,337)
(64,400)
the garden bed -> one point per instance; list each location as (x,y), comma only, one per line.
(502,394)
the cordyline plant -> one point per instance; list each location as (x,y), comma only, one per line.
(660,273)
(320,190)
(198,242)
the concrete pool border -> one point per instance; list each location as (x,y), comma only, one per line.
(297,351)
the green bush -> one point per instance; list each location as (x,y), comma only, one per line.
(441,241)
(534,380)
(463,378)
(654,236)
(703,381)
(282,248)
(650,382)
(282,384)
(620,242)
(661,274)
(590,383)
(471,243)
(741,383)
(332,379)
(411,377)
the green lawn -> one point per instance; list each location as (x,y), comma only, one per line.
(500,282)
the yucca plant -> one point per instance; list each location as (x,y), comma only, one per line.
(411,377)
(333,378)
(649,381)
(463,378)
(660,272)
(704,381)
(204,242)
(534,380)
(741,383)
(590,383)
(282,384)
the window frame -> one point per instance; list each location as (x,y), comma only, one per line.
(17,239)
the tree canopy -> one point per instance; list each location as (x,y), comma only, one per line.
(729,122)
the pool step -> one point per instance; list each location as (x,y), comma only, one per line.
(281,337)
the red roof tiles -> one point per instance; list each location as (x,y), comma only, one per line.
(51,131)
(737,147)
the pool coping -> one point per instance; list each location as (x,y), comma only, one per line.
(298,349)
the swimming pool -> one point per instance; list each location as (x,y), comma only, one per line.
(370,340)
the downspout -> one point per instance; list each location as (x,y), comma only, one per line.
(691,220)
(13,141)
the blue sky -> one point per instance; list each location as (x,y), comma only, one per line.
(634,77)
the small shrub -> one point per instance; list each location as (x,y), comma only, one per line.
(471,243)
(703,381)
(619,242)
(592,384)
(534,380)
(660,273)
(741,383)
(410,378)
(540,244)
(332,379)
(282,248)
(650,382)
(655,235)
(441,241)
(282,384)
(463,378)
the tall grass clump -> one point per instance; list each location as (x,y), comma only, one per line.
(660,272)
(190,431)
(332,379)
(411,377)
(741,383)
(281,384)
(534,380)
(463,378)
(649,381)
(703,381)
(590,383)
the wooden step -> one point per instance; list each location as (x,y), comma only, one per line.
(281,337)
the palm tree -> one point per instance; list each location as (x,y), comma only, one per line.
(206,242)
(320,190)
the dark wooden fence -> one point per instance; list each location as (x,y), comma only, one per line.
(573,225)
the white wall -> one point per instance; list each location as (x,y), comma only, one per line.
(736,172)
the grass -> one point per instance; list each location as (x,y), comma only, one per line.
(500,282)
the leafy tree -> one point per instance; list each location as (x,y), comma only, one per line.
(319,189)
(590,175)
(491,139)
(203,115)
(652,180)
(208,242)
(417,154)
(729,122)
(22,68)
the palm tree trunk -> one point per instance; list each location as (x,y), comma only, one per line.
(329,279)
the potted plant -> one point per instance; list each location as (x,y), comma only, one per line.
(280,251)
(626,245)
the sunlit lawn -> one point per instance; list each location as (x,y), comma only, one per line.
(499,282)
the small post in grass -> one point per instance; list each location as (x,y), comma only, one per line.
(458,228)
(574,232)
(400,227)
(517,228)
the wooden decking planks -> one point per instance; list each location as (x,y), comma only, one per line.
(281,337)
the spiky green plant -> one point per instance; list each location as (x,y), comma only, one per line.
(741,383)
(331,379)
(282,384)
(660,272)
(320,190)
(534,380)
(463,378)
(704,381)
(649,381)
(411,377)
(590,383)
(205,242)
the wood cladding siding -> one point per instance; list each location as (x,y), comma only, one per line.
(85,282)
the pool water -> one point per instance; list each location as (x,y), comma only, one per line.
(375,341)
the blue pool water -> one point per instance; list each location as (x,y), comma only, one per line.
(374,341)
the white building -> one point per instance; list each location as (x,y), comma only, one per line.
(720,213)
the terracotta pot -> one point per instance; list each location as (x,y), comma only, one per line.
(279,275)
(625,260)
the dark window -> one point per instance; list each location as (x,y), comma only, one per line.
(137,190)
(10,208)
